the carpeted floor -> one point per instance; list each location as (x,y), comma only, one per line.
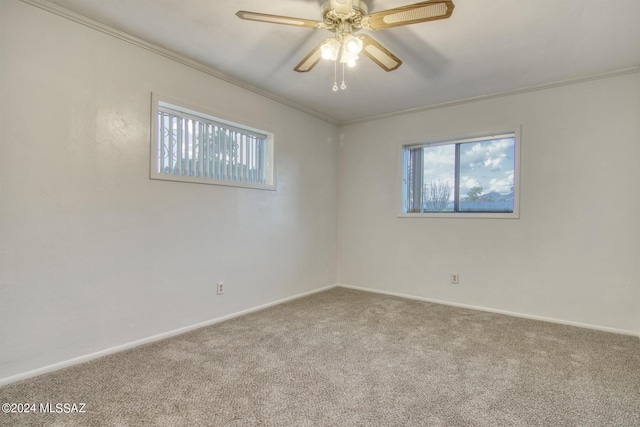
(351,358)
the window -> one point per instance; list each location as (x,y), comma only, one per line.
(472,177)
(192,146)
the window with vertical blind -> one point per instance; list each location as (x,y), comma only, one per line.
(466,177)
(192,146)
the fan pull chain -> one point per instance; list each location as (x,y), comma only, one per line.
(344,85)
(335,76)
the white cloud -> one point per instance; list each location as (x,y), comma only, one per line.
(502,186)
(494,163)
(439,163)
(487,154)
(467,182)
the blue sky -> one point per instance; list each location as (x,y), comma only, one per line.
(488,164)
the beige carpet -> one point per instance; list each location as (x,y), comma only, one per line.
(351,358)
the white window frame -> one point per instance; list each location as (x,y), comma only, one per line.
(163,103)
(461,138)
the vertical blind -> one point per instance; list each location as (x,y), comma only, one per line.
(414,159)
(199,147)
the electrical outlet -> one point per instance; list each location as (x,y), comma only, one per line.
(220,288)
(455,278)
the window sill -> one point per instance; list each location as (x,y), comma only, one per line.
(459,215)
(208,181)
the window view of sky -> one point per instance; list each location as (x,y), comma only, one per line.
(488,165)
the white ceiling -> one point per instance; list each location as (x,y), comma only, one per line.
(487,47)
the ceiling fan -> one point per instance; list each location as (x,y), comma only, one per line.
(345,18)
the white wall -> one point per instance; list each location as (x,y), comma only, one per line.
(573,255)
(94,254)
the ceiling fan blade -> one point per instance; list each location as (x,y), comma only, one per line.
(278,19)
(410,14)
(310,60)
(379,54)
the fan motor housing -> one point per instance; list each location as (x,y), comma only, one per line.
(334,15)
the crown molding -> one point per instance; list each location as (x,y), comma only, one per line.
(535,88)
(103,28)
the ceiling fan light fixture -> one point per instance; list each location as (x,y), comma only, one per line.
(352,44)
(330,49)
(348,57)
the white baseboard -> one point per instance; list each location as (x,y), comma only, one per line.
(493,310)
(158,337)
